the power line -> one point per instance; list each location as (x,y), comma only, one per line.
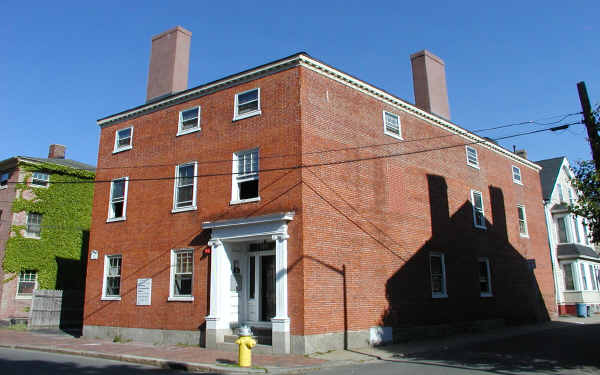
(294,167)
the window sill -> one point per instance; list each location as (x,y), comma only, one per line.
(518,182)
(38,186)
(110,298)
(3,187)
(393,135)
(188,131)
(184,209)
(23,297)
(486,295)
(439,295)
(480,227)
(473,166)
(32,236)
(113,219)
(523,235)
(246,115)
(122,149)
(242,201)
(181,299)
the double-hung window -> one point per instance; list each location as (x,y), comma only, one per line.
(4,180)
(562,228)
(584,282)
(27,284)
(182,272)
(189,121)
(593,279)
(117,207)
(184,198)
(472,158)
(112,277)
(123,139)
(437,269)
(391,125)
(245,177)
(485,282)
(247,104)
(40,179)
(516,175)
(34,225)
(568,276)
(522,221)
(478,212)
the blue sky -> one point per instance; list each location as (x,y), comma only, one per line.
(63,65)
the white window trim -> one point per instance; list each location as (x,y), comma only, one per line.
(196,128)
(237,116)
(518,182)
(104,297)
(568,229)
(118,149)
(444,293)
(172,297)
(27,234)
(32,184)
(25,297)
(526,234)
(574,273)
(474,165)
(489,293)
(234,181)
(124,217)
(475,209)
(193,207)
(385,131)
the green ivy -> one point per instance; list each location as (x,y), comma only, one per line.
(66,208)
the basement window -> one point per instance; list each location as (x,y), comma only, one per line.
(123,139)
(247,104)
(245,177)
(189,121)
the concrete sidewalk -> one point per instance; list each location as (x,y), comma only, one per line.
(193,358)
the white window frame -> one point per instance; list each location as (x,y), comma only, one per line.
(238,116)
(568,234)
(193,206)
(4,177)
(118,149)
(469,163)
(107,258)
(487,293)
(444,292)
(385,128)
(517,177)
(111,217)
(476,210)
(172,296)
(197,127)
(33,235)
(35,284)
(41,176)
(574,275)
(236,179)
(521,208)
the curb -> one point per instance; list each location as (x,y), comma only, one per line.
(156,362)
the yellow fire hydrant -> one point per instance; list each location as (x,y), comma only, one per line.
(245,344)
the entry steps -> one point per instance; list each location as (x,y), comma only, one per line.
(263,336)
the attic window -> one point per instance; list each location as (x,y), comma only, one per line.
(391,125)
(247,104)
(516,173)
(472,158)
(123,139)
(40,179)
(4,180)
(189,121)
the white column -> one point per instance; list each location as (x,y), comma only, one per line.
(216,261)
(281,322)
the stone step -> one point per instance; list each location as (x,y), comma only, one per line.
(258,349)
(261,340)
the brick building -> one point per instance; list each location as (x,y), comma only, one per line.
(318,209)
(39,245)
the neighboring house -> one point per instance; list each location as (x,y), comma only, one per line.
(44,226)
(320,210)
(576,263)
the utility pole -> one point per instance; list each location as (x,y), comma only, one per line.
(590,124)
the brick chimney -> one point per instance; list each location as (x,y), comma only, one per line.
(429,81)
(522,153)
(169,63)
(57,152)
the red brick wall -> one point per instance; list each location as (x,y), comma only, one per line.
(146,238)
(379,226)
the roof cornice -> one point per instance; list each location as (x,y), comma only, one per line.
(302,59)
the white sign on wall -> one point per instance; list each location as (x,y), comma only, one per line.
(144,292)
(94,254)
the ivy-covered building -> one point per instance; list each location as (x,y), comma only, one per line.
(45,212)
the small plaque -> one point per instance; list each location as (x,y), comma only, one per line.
(94,254)
(144,292)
